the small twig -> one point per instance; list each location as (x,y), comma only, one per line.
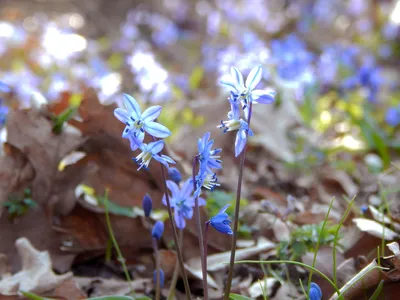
(174,280)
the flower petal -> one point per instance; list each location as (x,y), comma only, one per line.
(174,188)
(132,106)
(263,97)
(254,78)
(157,130)
(155,147)
(151,113)
(186,189)
(224,209)
(134,142)
(179,219)
(122,115)
(202,201)
(240,142)
(237,78)
(230,84)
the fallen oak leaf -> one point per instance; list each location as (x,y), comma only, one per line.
(376,229)
(36,275)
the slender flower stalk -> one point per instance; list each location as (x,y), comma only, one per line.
(157,257)
(175,235)
(236,216)
(171,292)
(205,246)
(200,231)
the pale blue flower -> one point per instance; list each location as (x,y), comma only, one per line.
(234,122)
(137,122)
(208,160)
(221,222)
(150,151)
(182,201)
(245,91)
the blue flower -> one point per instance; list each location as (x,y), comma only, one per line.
(221,222)
(137,122)
(174,175)
(246,91)
(3,113)
(392,116)
(150,151)
(236,123)
(208,160)
(158,230)
(147,205)
(315,292)
(162,277)
(182,201)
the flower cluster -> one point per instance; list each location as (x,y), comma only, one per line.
(208,160)
(243,94)
(137,124)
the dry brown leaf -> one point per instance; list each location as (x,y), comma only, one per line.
(376,229)
(31,132)
(324,262)
(36,275)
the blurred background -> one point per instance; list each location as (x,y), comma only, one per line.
(334,129)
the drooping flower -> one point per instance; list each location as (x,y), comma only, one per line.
(147,205)
(150,151)
(182,201)
(162,277)
(174,175)
(137,123)
(315,292)
(246,91)
(221,222)
(234,122)
(392,116)
(158,230)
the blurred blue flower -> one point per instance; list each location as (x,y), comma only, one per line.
(147,205)
(174,175)
(292,59)
(4,88)
(221,222)
(315,292)
(234,122)
(392,116)
(246,91)
(182,201)
(3,113)
(158,230)
(162,277)
(150,151)
(367,76)
(137,122)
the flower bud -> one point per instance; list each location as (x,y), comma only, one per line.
(147,205)
(174,175)
(161,277)
(158,230)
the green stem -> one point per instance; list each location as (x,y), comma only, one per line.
(337,235)
(318,243)
(236,217)
(121,259)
